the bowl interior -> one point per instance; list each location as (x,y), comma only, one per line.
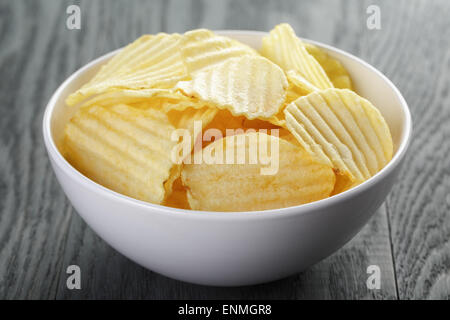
(368,82)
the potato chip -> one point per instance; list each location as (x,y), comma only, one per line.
(125,149)
(241,187)
(334,69)
(179,102)
(202,49)
(251,86)
(284,48)
(163,99)
(152,61)
(341,129)
(133,97)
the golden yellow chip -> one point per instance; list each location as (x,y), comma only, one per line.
(202,49)
(136,98)
(343,130)
(179,102)
(298,178)
(251,86)
(334,69)
(284,48)
(163,99)
(152,61)
(125,149)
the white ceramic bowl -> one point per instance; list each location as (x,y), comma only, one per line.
(233,248)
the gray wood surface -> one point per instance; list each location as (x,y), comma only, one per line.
(41,234)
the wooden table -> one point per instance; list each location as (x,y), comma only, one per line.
(41,234)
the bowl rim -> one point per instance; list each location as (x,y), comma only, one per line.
(93,186)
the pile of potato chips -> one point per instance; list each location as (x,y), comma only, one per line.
(289,94)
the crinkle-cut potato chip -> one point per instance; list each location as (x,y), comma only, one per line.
(343,130)
(133,97)
(179,102)
(152,61)
(284,48)
(201,49)
(178,196)
(241,187)
(250,85)
(334,69)
(125,149)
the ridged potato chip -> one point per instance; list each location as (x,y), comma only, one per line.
(125,149)
(152,61)
(140,98)
(251,86)
(342,129)
(241,187)
(284,48)
(203,49)
(334,69)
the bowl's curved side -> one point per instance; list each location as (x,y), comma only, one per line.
(223,252)
(216,248)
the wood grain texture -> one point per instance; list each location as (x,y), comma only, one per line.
(40,233)
(414,52)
